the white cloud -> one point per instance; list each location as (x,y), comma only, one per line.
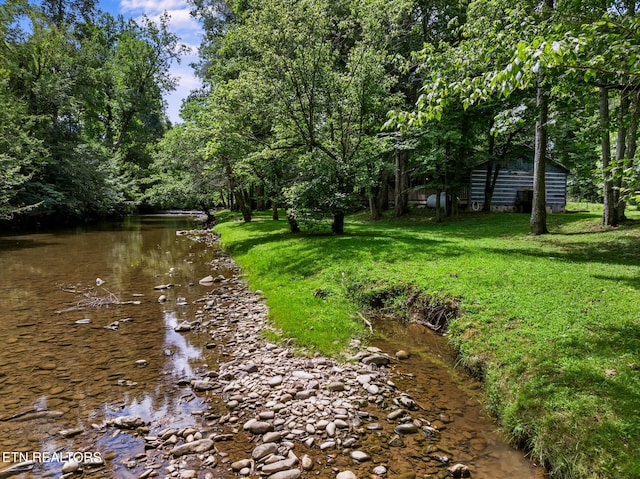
(190,33)
(152,6)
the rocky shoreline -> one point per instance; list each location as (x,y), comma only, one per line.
(274,413)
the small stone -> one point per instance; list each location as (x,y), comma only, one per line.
(71,432)
(360,456)
(260,427)
(379,470)
(278,466)
(290,474)
(406,428)
(327,445)
(402,354)
(128,422)
(206,281)
(238,465)
(274,381)
(346,475)
(396,441)
(194,447)
(376,359)
(335,386)
(459,470)
(331,429)
(183,326)
(264,450)
(393,415)
(272,437)
(203,385)
(141,363)
(307,463)
(372,389)
(70,466)
(162,298)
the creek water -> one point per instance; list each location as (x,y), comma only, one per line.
(84,339)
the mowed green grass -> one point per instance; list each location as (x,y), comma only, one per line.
(552,323)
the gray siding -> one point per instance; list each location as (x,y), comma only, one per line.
(510,181)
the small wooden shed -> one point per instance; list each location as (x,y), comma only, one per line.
(514,186)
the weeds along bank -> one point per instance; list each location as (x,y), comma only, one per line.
(551,323)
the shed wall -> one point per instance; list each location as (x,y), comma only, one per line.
(510,181)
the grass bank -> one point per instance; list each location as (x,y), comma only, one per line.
(552,323)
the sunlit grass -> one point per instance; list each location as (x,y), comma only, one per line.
(551,322)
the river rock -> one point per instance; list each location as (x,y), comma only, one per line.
(264,450)
(272,436)
(402,354)
(260,427)
(278,466)
(203,385)
(275,381)
(183,326)
(406,428)
(360,456)
(128,422)
(70,466)
(380,470)
(393,415)
(376,360)
(71,432)
(195,447)
(290,474)
(336,386)
(238,465)
(459,470)
(346,475)
(206,281)
(306,462)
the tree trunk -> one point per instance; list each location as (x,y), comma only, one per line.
(260,198)
(621,152)
(492,174)
(608,210)
(244,205)
(274,210)
(538,222)
(374,209)
(293,224)
(337,226)
(402,183)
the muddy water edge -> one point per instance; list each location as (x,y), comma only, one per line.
(102,324)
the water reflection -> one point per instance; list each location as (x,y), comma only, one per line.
(75,368)
(181,351)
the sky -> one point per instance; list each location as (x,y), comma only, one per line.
(188,30)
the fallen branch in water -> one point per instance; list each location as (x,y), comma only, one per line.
(93,300)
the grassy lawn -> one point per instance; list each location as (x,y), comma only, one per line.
(552,323)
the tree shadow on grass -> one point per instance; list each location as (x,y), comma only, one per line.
(379,245)
(622,250)
(614,383)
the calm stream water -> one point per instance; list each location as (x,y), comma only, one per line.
(66,366)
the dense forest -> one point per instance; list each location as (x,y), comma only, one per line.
(317,107)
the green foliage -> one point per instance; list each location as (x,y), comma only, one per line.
(297,102)
(82,101)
